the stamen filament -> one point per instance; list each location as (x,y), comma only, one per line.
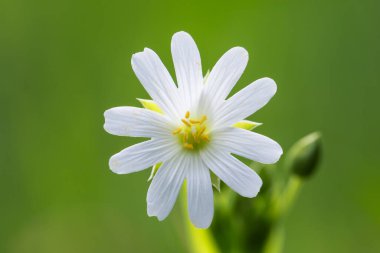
(185,138)
(194,136)
(203,128)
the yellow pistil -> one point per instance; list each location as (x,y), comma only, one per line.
(193,133)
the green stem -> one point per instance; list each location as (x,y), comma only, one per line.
(200,240)
(275,241)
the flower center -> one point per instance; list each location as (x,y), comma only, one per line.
(193,133)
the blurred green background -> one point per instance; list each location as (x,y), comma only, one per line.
(62,63)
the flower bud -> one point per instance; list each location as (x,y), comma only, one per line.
(303,156)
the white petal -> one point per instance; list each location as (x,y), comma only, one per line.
(200,194)
(157,82)
(165,186)
(142,155)
(188,68)
(245,102)
(238,176)
(136,122)
(248,144)
(225,74)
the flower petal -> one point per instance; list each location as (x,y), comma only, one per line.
(248,144)
(245,102)
(225,74)
(136,122)
(188,68)
(157,81)
(142,155)
(238,176)
(199,194)
(163,190)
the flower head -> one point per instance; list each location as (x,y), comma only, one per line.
(193,128)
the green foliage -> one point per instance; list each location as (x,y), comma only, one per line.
(244,225)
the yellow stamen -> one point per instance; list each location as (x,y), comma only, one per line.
(197,140)
(203,128)
(185,138)
(194,136)
(188,146)
(205,138)
(186,122)
(193,133)
(193,121)
(177,131)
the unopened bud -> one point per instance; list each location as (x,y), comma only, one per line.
(304,155)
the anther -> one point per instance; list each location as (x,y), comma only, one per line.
(205,138)
(193,133)
(186,122)
(193,121)
(177,131)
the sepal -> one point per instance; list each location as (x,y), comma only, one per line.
(150,105)
(247,124)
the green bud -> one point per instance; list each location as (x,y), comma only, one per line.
(304,155)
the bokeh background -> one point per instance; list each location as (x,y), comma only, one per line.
(62,63)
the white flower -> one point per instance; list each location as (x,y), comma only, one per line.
(193,129)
